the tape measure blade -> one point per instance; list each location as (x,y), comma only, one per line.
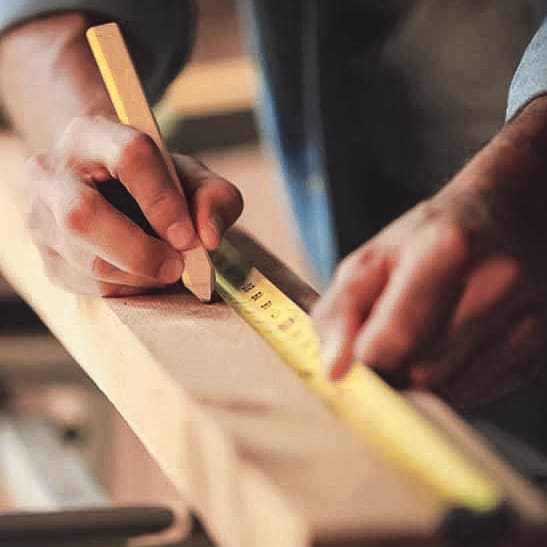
(373,410)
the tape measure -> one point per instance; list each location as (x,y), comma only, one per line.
(371,408)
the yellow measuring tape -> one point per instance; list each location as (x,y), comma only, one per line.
(374,411)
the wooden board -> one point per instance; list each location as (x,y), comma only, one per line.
(256,455)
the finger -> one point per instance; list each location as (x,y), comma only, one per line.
(417,300)
(135,160)
(41,223)
(493,295)
(66,278)
(488,284)
(215,203)
(511,360)
(340,312)
(104,271)
(69,279)
(86,216)
(79,256)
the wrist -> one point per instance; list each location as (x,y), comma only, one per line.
(499,197)
(53,78)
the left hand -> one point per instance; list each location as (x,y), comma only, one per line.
(90,247)
(452,295)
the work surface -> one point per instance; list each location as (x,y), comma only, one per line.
(256,455)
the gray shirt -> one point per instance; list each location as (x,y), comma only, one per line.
(530,79)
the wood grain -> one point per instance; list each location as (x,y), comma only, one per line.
(256,455)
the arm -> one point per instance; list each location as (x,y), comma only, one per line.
(452,295)
(50,78)
(55,98)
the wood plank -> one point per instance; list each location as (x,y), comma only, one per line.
(256,455)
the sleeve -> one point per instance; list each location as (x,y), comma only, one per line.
(159,34)
(530,79)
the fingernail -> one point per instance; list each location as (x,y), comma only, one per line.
(331,349)
(217,223)
(181,235)
(170,270)
(212,236)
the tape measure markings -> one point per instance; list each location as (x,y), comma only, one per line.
(378,414)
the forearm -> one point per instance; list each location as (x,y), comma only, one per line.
(452,295)
(501,194)
(49,76)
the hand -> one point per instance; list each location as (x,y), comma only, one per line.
(90,247)
(452,295)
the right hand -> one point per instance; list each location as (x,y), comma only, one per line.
(88,246)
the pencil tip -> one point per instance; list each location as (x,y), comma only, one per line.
(199,275)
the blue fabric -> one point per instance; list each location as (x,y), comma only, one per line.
(530,79)
(290,126)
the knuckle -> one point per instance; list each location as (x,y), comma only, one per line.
(421,375)
(159,201)
(448,235)
(344,270)
(49,256)
(81,123)
(72,134)
(74,128)
(52,273)
(136,264)
(453,239)
(529,331)
(101,268)
(33,218)
(140,261)
(78,217)
(89,138)
(353,264)
(140,149)
(401,343)
(320,313)
(512,271)
(36,166)
(51,263)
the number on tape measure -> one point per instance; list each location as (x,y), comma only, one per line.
(374,411)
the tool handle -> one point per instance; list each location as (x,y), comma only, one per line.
(127,95)
(83,524)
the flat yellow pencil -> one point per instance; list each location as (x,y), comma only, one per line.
(129,101)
